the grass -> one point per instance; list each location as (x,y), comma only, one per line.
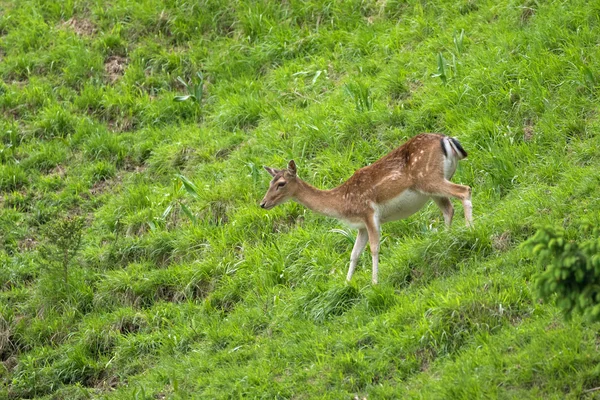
(152,120)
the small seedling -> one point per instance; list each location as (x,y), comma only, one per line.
(181,184)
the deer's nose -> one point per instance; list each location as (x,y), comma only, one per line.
(262,204)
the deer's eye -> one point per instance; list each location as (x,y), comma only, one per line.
(281,184)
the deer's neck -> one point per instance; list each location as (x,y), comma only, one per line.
(324,202)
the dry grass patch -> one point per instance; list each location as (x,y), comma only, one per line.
(81,26)
(59,170)
(114,67)
(502,242)
(528,131)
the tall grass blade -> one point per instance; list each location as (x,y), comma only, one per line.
(441,68)
(188,213)
(188,185)
(458,41)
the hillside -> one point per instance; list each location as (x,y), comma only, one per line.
(135,261)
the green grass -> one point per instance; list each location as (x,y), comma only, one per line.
(184,288)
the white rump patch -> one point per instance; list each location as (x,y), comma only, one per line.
(451,158)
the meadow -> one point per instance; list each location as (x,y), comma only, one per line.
(135,262)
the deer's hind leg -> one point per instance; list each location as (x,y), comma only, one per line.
(445,205)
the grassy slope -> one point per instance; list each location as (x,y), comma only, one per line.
(251,303)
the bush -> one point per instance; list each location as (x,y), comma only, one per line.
(572,271)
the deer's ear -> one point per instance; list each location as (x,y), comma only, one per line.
(270,170)
(292,167)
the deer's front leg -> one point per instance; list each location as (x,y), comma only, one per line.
(359,246)
(373,230)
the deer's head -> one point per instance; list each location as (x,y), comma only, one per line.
(282,187)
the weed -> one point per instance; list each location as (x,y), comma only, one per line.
(180,184)
(240,112)
(458,40)
(195,89)
(112,43)
(590,79)
(105,146)
(380,299)
(47,158)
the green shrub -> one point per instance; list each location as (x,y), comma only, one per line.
(571,271)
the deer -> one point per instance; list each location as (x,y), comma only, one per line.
(394,187)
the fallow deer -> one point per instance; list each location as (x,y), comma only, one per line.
(394,187)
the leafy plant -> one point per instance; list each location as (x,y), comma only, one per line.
(181,185)
(195,89)
(572,271)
